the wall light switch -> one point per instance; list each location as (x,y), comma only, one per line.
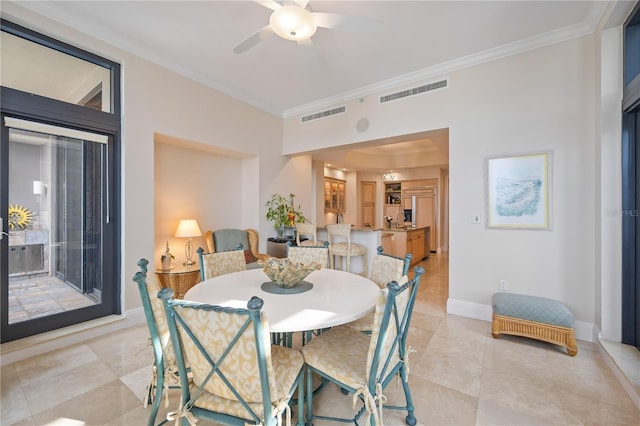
(475,219)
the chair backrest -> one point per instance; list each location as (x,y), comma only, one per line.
(340,230)
(229,239)
(308,254)
(229,353)
(386,268)
(156,319)
(307,229)
(225,262)
(387,349)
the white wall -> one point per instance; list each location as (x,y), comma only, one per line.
(538,100)
(610,293)
(155,100)
(196,185)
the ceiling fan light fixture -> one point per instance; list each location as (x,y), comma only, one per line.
(293,23)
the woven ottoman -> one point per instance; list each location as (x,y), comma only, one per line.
(534,317)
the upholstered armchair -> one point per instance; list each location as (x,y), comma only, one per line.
(228,239)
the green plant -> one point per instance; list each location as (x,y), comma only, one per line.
(283,212)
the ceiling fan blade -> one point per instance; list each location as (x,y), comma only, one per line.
(358,24)
(301,3)
(309,53)
(252,40)
(271,4)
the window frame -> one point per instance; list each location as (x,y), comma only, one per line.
(16,103)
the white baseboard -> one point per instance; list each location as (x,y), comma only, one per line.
(583,330)
(469,309)
(18,350)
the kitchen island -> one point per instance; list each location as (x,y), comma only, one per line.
(400,241)
(368,237)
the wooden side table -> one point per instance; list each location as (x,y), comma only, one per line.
(179,278)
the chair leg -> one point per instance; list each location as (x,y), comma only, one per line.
(309,397)
(301,419)
(157,398)
(410,419)
(348,262)
(365,265)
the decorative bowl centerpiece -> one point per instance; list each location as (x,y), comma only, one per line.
(286,274)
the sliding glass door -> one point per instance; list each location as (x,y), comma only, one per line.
(55,220)
(59,180)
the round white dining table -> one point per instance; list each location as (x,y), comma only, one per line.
(337,297)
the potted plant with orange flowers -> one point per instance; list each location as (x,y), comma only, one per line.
(284,213)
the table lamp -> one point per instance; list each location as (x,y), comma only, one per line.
(188,228)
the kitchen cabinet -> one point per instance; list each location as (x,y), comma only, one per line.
(393,200)
(399,243)
(415,245)
(392,193)
(426,207)
(368,194)
(334,195)
(394,243)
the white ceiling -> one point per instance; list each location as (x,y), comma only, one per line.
(418,38)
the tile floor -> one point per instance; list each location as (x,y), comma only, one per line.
(42,295)
(459,375)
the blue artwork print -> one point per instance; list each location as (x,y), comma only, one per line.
(518,191)
(517,196)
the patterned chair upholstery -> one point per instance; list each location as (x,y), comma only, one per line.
(310,230)
(308,254)
(384,269)
(238,376)
(225,262)
(229,239)
(164,371)
(364,365)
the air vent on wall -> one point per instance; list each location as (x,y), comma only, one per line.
(323,114)
(415,91)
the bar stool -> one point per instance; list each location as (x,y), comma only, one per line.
(345,248)
(308,229)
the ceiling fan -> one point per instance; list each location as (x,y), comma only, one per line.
(295,20)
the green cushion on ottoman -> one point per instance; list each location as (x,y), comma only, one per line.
(532,308)
(533,317)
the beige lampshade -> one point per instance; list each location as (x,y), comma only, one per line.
(188,228)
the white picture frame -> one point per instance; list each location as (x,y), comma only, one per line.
(518,191)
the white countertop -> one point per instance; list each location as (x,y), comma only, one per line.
(355,229)
(392,230)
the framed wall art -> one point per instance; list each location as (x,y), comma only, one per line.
(518,191)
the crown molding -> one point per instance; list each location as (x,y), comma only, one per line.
(445,68)
(586,27)
(105,35)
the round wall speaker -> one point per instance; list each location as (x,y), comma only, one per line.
(362,125)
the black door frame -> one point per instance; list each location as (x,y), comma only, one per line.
(19,104)
(631,181)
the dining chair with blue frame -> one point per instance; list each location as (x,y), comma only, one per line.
(238,377)
(164,370)
(364,364)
